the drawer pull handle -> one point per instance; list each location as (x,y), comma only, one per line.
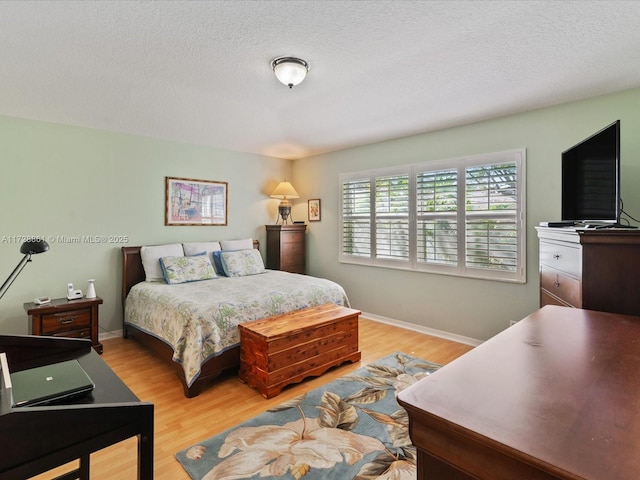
(556,284)
(556,256)
(66,321)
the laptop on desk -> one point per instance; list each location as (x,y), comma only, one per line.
(49,383)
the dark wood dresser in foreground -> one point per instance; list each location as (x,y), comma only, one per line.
(554,397)
(591,269)
(286,248)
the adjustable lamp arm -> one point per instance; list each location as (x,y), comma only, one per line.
(28,248)
(16,271)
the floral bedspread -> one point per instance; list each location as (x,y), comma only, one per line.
(199,319)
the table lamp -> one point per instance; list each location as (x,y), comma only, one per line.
(284,191)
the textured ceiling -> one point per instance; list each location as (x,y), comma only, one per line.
(199,71)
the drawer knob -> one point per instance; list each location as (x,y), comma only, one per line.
(556,284)
(556,256)
(66,321)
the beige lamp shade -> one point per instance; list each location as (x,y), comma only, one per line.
(284,190)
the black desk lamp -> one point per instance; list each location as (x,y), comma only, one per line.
(28,249)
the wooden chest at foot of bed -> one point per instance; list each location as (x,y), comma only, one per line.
(284,349)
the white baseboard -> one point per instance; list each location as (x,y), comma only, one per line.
(376,318)
(107,335)
(420,329)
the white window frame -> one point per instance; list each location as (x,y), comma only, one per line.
(517,157)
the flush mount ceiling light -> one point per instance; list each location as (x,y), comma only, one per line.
(290,71)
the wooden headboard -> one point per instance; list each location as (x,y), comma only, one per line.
(133,271)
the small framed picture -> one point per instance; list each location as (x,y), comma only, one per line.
(314,209)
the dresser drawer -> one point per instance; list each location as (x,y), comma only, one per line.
(562,257)
(64,322)
(84,333)
(547,299)
(561,285)
(294,268)
(291,250)
(293,258)
(289,261)
(292,237)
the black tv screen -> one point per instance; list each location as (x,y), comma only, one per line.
(591,178)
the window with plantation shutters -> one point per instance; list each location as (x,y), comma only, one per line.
(461,217)
(356,218)
(392,217)
(436,217)
(491,218)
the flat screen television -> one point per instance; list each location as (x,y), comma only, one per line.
(591,179)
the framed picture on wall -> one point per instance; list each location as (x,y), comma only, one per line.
(314,209)
(195,202)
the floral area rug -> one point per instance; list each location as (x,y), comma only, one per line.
(351,428)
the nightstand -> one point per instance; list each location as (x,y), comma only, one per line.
(286,247)
(66,318)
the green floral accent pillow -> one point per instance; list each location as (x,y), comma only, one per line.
(242,262)
(187,269)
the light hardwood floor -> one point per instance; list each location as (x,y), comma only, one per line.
(181,422)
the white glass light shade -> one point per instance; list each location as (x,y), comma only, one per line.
(290,71)
(284,190)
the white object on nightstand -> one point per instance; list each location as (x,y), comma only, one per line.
(91,289)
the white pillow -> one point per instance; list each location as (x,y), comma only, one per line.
(244,244)
(194,248)
(151,259)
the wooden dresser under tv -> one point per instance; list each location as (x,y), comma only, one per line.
(594,269)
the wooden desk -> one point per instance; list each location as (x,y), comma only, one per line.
(34,440)
(556,396)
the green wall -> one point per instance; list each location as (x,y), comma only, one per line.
(61,181)
(58,181)
(468,307)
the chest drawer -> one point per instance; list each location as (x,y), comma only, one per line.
(63,322)
(562,257)
(292,250)
(547,299)
(292,237)
(561,285)
(294,268)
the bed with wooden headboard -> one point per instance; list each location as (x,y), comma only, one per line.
(273,291)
